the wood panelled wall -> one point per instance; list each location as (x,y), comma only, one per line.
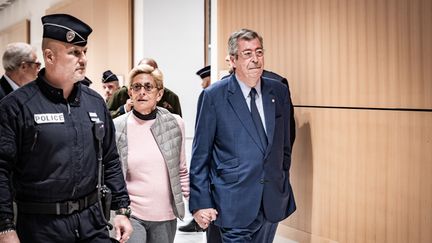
(19,32)
(110,43)
(360,74)
(365,53)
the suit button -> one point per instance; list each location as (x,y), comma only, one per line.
(262,181)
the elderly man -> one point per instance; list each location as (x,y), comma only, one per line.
(21,66)
(241,154)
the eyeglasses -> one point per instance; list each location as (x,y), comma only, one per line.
(148,87)
(38,64)
(246,54)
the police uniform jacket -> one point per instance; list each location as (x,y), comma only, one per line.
(48,149)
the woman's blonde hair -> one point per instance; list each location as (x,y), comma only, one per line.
(147,69)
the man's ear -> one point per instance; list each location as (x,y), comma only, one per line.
(49,56)
(22,66)
(232,61)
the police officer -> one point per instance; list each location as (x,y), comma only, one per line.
(48,150)
(110,84)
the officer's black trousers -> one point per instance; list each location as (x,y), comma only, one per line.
(85,226)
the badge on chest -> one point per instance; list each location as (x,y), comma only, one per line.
(93,117)
(49,118)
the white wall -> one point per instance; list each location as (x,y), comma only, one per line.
(172,32)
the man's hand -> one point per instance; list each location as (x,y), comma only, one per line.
(205,216)
(9,237)
(123,228)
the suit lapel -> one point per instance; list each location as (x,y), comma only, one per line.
(269,111)
(238,103)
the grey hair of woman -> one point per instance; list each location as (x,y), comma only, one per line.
(147,69)
(15,54)
(243,34)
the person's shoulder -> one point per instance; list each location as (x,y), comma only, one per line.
(227,76)
(180,122)
(121,118)
(21,95)
(220,85)
(3,83)
(13,103)
(2,80)
(178,118)
(121,91)
(90,93)
(169,92)
(272,75)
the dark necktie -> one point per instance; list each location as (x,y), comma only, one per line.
(257,119)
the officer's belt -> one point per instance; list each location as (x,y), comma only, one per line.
(61,208)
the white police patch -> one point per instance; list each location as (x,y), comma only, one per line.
(49,118)
(93,116)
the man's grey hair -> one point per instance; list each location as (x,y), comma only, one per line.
(243,34)
(15,54)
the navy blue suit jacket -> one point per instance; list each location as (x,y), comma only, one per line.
(230,170)
(5,87)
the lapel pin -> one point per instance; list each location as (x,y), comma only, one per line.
(272,100)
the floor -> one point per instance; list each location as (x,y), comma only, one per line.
(199,237)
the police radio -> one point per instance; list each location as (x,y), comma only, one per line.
(104,192)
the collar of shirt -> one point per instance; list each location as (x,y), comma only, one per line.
(258,98)
(246,89)
(11,82)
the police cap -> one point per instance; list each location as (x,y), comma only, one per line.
(108,76)
(65,28)
(204,72)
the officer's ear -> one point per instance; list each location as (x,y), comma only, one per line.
(48,47)
(49,55)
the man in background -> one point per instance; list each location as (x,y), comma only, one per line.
(21,66)
(110,84)
(204,74)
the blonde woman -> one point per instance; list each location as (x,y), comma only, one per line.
(150,141)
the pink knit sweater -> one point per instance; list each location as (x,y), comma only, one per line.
(148,180)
